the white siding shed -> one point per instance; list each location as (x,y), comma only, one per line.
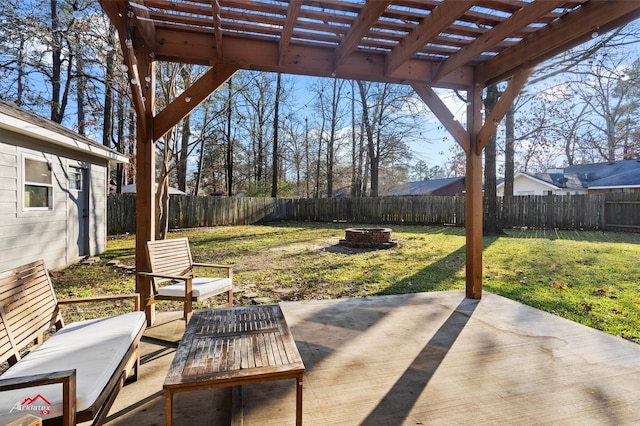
(53,188)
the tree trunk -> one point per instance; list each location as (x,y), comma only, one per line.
(491,200)
(307,156)
(509,154)
(318,161)
(56,62)
(354,145)
(131,175)
(362,169)
(120,143)
(276,117)
(181,167)
(21,74)
(229,148)
(107,121)
(335,99)
(196,185)
(373,163)
(80,87)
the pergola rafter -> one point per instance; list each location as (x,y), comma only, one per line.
(428,44)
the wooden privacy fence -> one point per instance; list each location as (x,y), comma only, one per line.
(552,211)
(615,211)
(622,212)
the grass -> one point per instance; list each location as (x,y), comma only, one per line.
(589,277)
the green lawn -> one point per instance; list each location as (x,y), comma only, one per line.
(589,277)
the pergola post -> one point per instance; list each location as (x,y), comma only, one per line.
(473,197)
(145,183)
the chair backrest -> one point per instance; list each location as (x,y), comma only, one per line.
(170,257)
(28,308)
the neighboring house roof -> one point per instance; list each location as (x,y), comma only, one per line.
(27,123)
(423,187)
(131,189)
(619,174)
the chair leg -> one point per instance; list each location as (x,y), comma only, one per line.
(188,300)
(230,292)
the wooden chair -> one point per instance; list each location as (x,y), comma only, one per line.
(171,263)
(88,361)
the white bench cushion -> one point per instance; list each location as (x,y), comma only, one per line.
(93,347)
(201,287)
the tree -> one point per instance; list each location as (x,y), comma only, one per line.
(610,89)
(175,148)
(229,138)
(552,121)
(258,107)
(275,152)
(17,50)
(390,124)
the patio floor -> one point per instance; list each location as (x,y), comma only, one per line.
(427,358)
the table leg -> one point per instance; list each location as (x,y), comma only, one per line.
(299,400)
(236,406)
(168,407)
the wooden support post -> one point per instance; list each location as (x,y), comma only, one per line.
(145,185)
(473,198)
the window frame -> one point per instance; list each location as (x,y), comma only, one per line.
(25,182)
(75,170)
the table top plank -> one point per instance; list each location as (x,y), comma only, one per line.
(231,344)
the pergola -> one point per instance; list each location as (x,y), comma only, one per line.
(456,44)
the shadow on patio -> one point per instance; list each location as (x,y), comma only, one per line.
(425,358)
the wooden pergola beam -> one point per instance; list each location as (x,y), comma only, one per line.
(287,29)
(193,96)
(440,18)
(442,113)
(368,15)
(301,60)
(217,27)
(520,19)
(558,36)
(139,17)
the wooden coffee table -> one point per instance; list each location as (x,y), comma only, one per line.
(232,347)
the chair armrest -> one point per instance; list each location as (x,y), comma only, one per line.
(68,380)
(135,297)
(169,277)
(229,268)
(212,265)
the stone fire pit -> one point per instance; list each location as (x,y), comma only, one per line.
(375,238)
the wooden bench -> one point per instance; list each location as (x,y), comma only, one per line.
(76,373)
(171,262)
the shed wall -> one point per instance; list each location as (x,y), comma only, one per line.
(26,236)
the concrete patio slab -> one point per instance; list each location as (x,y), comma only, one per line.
(427,358)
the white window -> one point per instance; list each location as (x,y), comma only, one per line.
(75,178)
(38,184)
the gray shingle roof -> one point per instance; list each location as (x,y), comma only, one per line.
(423,187)
(617,174)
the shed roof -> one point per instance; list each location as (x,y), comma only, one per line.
(27,123)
